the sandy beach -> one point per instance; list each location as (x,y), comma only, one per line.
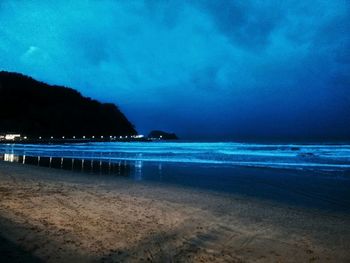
(49,215)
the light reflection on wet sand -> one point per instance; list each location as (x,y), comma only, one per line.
(104,167)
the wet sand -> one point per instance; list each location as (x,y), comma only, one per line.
(59,216)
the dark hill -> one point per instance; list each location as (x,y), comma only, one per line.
(34,108)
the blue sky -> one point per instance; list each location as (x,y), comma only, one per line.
(203,69)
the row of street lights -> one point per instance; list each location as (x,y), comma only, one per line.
(14,137)
(95,137)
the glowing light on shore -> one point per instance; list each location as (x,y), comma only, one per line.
(12,137)
(9,157)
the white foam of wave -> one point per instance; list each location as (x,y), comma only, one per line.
(259,155)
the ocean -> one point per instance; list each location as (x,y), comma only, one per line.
(292,156)
(307,175)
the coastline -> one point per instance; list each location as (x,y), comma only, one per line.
(73,141)
(57,215)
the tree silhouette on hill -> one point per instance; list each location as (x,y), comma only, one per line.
(33,108)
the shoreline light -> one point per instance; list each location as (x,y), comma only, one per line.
(12,137)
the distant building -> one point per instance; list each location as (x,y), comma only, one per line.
(10,137)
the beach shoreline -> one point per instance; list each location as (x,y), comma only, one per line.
(56,215)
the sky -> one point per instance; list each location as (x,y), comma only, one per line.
(207,70)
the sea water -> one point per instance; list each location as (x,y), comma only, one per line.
(292,156)
(307,175)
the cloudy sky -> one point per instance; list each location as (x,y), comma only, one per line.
(204,69)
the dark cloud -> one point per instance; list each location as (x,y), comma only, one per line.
(228,69)
(246,23)
(167,13)
(92,46)
(206,79)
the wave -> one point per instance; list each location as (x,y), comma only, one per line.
(292,156)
